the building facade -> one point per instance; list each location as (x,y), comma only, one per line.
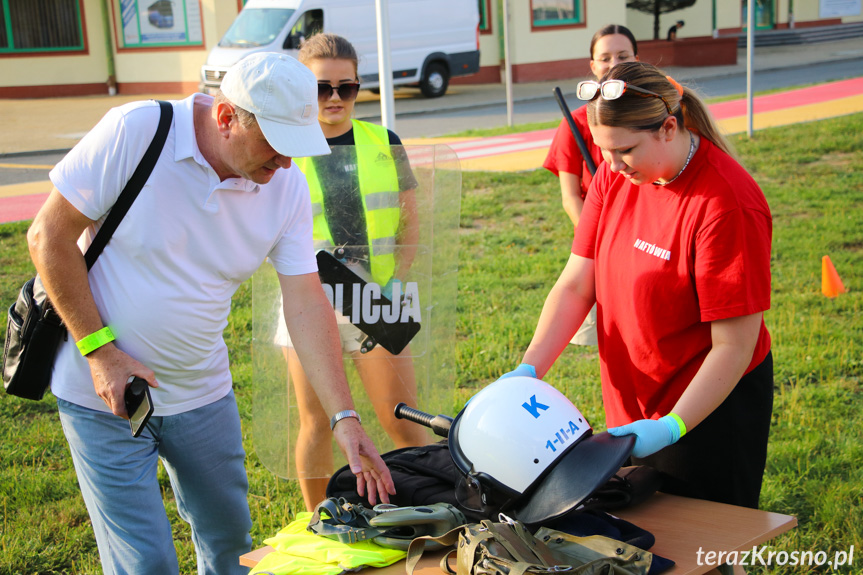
(52,48)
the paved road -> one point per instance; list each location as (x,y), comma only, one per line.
(34,167)
(28,168)
(491,116)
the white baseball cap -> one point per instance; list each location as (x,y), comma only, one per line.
(283,95)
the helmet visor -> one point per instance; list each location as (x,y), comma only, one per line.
(481,495)
(470,494)
(573,478)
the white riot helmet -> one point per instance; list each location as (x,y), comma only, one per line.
(522,446)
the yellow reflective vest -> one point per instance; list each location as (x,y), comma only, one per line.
(301,552)
(379,190)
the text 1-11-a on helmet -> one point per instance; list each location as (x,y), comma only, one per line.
(523,447)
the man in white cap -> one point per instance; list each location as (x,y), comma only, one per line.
(221,199)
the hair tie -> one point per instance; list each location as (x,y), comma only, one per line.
(676,85)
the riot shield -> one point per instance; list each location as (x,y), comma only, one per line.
(398,337)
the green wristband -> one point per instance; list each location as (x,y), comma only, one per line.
(680,423)
(95,340)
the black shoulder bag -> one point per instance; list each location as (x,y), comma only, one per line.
(34,329)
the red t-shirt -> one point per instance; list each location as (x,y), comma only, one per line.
(564,154)
(669,260)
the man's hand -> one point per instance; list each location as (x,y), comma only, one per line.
(312,324)
(523,370)
(111,369)
(651,435)
(373,478)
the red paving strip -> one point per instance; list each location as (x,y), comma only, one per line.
(495,145)
(16,208)
(534,136)
(784,100)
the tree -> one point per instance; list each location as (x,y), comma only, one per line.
(657,7)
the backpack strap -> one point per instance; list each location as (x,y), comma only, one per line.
(508,543)
(510,548)
(418,546)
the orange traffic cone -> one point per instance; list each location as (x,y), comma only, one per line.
(831,284)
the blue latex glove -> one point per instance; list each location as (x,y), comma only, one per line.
(651,435)
(387,290)
(523,370)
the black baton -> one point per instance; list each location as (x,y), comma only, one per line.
(440,424)
(585,153)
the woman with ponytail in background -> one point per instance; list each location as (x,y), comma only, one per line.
(609,46)
(674,247)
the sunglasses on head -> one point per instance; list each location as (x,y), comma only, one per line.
(612,90)
(347,92)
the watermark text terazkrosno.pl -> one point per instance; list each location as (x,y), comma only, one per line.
(766,557)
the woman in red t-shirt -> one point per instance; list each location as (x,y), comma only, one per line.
(674,247)
(610,46)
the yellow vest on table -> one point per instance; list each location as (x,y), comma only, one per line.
(379,190)
(301,552)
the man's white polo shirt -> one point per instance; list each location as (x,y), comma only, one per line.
(165,280)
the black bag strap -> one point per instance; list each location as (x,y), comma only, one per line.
(133,186)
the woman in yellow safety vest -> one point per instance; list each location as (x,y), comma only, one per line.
(366,203)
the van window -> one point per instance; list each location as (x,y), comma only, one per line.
(256,27)
(309,24)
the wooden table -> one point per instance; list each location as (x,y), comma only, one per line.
(682,527)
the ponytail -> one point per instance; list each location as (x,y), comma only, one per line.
(638,113)
(697,118)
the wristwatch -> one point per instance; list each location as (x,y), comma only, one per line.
(343,414)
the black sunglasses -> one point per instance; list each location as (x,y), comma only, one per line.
(347,92)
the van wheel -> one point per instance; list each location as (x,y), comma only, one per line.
(435,80)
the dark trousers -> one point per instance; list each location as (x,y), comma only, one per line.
(723,458)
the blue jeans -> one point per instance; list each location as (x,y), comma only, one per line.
(202,451)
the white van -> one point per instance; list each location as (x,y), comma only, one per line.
(430,40)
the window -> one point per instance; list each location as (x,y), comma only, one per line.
(40,25)
(4,41)
(484,15)
(556,12)
(763,14)
(158,23)
(256,27)
(308,24)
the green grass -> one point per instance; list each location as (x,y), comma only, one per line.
(503,130)
(514,241)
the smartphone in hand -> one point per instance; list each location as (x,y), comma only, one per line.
(139,405)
